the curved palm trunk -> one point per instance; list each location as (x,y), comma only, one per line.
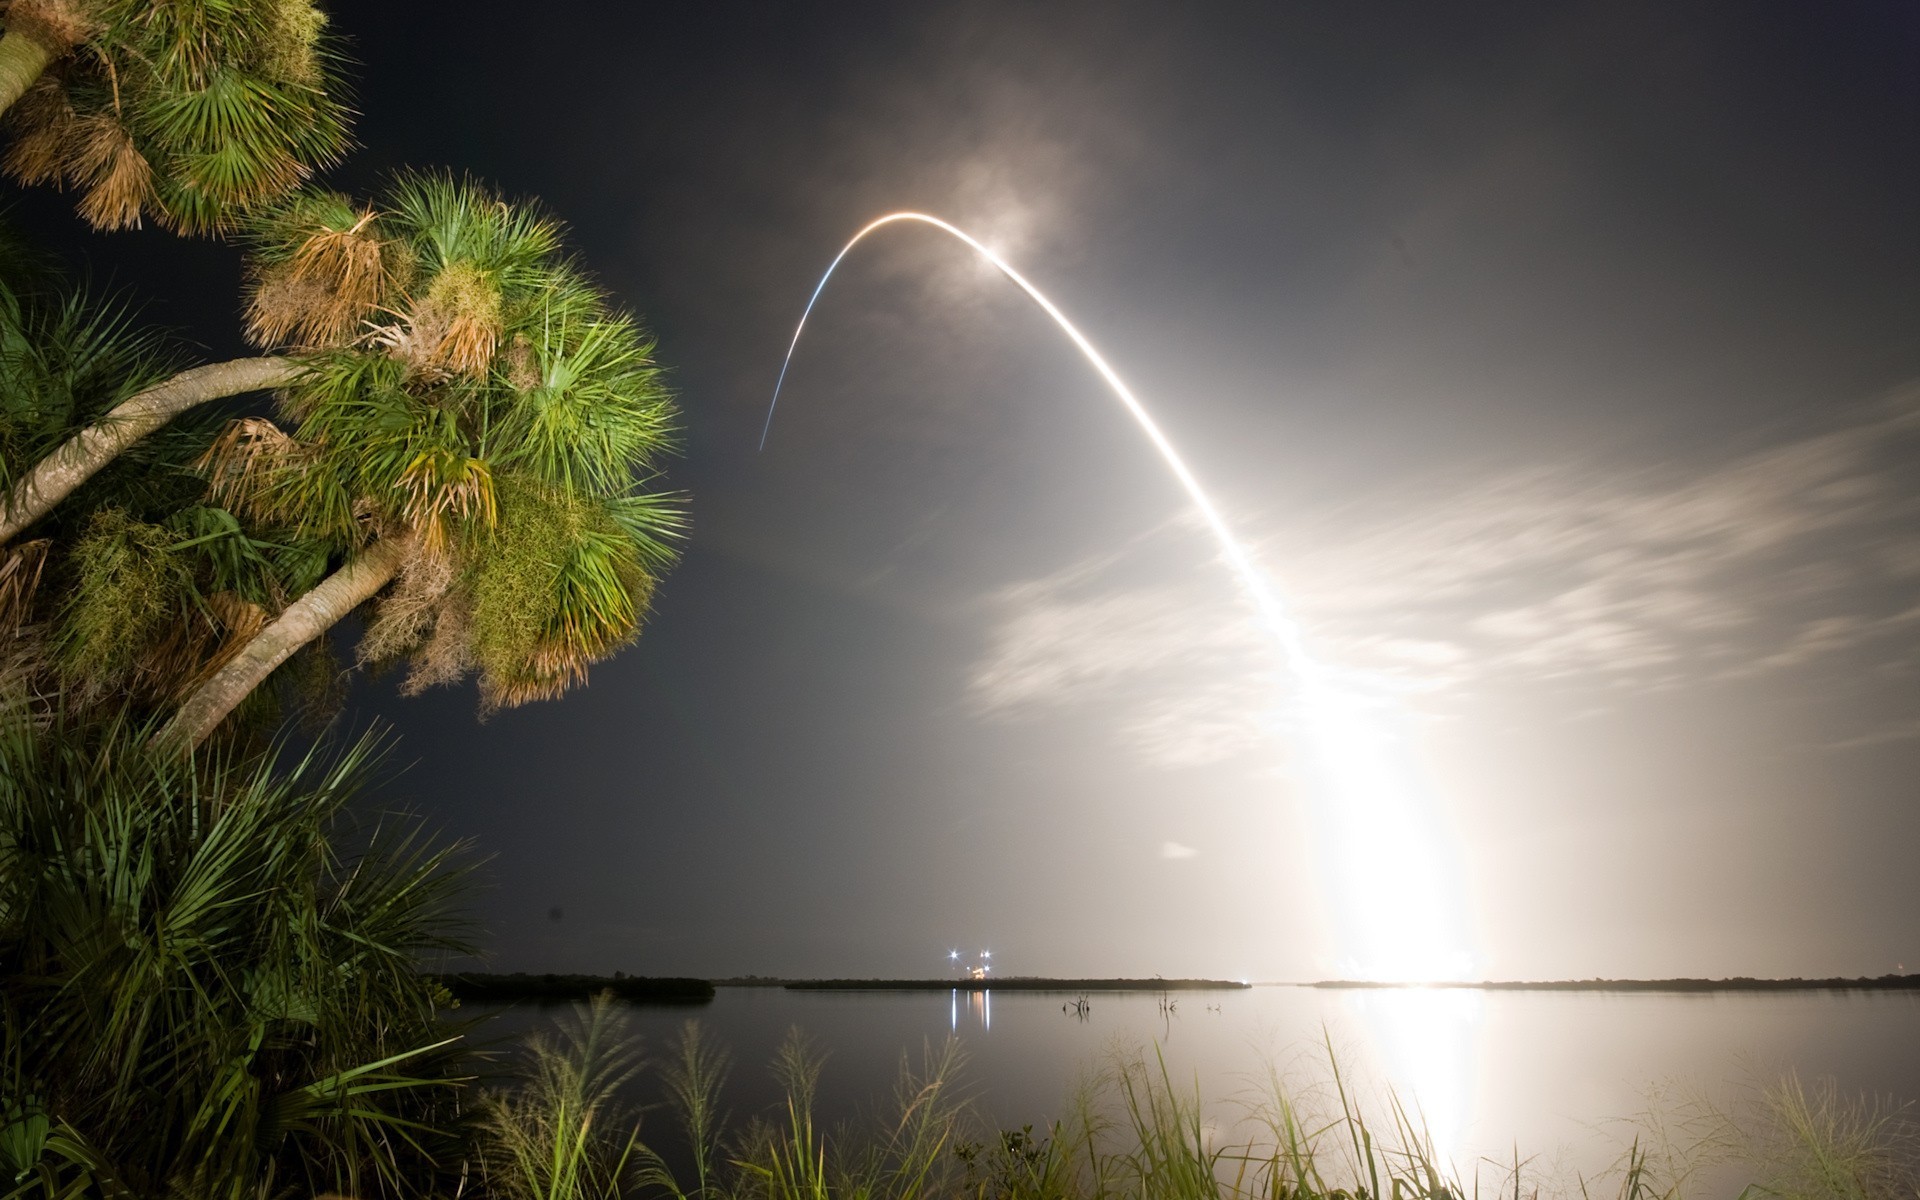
(304,620)
(22,59)
(81,455)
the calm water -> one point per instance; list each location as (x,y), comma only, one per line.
(1545,1071)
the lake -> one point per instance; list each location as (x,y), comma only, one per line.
(1551,1073)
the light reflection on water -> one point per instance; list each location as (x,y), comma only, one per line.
(1547,1073)
(1424,1042)
(979,1010)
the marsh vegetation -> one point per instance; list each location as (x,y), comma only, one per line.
(1132,1131)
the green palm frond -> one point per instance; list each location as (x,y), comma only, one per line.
(652,522)
(555,587)
(67,355)
(477,395)
(597,413)
(191,112)
(453,220)
(215,982)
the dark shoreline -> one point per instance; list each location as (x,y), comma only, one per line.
(1015,984)
(1880,983)
(483,988)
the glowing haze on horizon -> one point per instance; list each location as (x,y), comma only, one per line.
(1387,861)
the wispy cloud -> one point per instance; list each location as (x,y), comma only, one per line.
(1658,577)
(1182,661)
(1175,850)
(1774,561)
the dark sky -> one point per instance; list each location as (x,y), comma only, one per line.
(1558,361)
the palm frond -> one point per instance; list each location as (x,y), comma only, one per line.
(116,178)
(320,268)
(461,221)
(191,112)
(598,413)
(41,127)
(216,981)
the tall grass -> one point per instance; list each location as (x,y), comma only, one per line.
(563,1133)
(694,1081)
(1133,1133)
(1779,1138)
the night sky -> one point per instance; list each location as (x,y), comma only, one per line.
(1561,363)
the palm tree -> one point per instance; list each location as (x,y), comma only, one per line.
(83,453)
(189,111)
(66,357)
(212,980)
(472,429)
(136,587)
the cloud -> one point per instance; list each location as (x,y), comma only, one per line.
(1652,578)
(1191,673)
(1176,850)
(1785,559)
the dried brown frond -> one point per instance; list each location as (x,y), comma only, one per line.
(412,341)
(320,295)
(20,569)
(447,655)
(526,686)
(439,485)
(42,127)
(118,178)
(467,347)
(59,25)
(244,461)
(455,328)
(346,267)
(346,260)
(196,647)
(281,306)
(239,616)
(522,372)
(26,673)
(408,611)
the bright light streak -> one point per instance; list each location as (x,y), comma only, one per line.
(1426,1040)
(1387,857)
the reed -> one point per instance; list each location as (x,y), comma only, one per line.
(1133,1132)
(562,1133)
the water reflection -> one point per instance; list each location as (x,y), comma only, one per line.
(1541,1074)
(1419,1044)
(979,1009)
(1425,1046)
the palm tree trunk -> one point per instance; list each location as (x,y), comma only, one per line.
(304,620)
(22,58)
(101,442)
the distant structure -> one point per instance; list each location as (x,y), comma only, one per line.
(970,967)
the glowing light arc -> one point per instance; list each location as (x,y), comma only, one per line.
(1272,615)
(1405,928)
